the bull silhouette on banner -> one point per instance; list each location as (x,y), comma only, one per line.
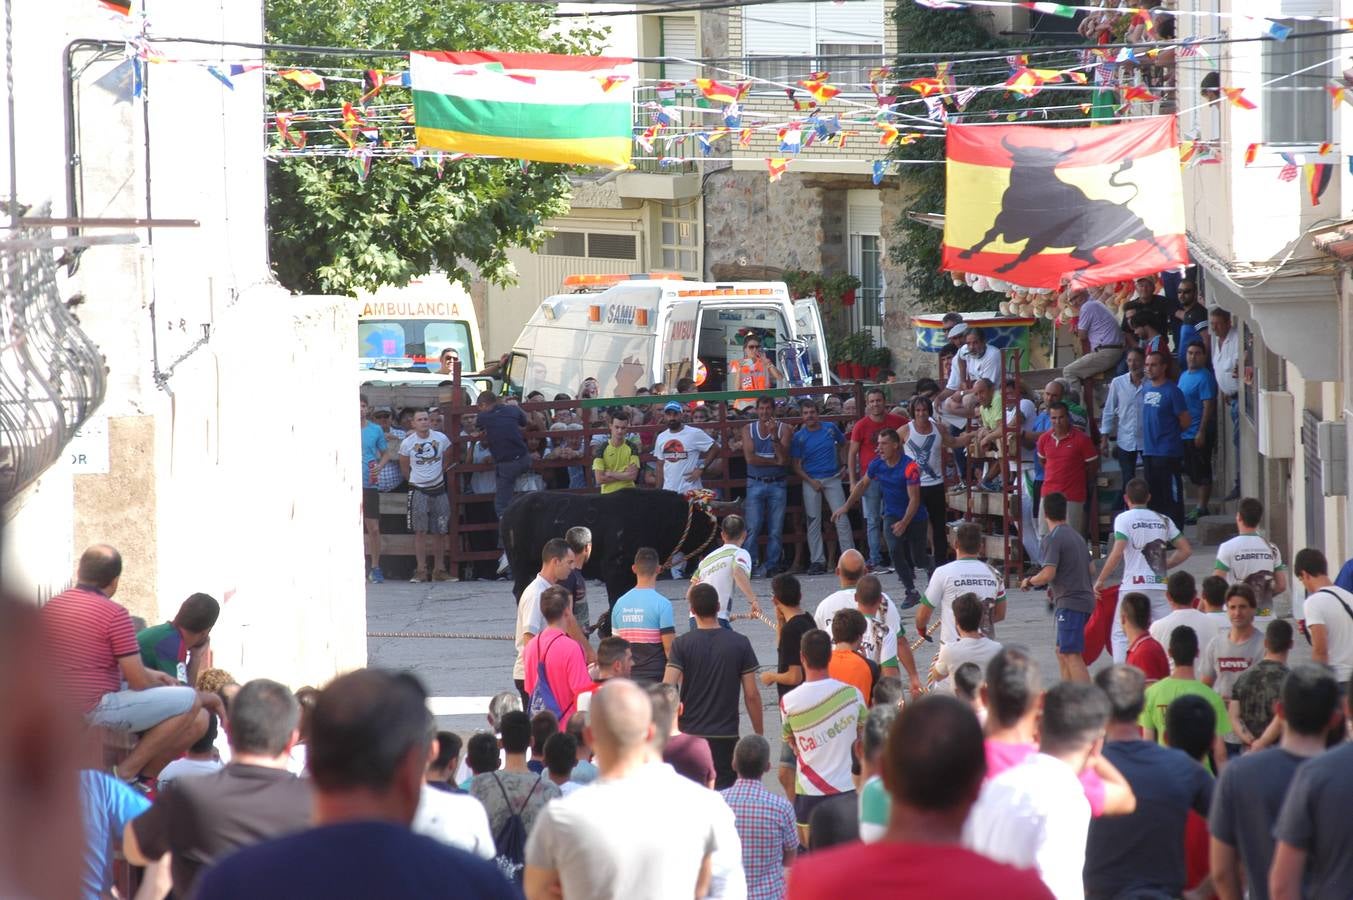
(1066,232)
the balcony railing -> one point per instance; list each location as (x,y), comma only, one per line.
(52,376)
(670,156)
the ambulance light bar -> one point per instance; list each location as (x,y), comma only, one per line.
(605,280)
(728,292)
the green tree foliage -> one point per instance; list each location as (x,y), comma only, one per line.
(945,33)
(329,231)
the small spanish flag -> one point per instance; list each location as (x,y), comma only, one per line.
(777,166)
(1237,98)
(1324,149)
(719,92)
(888,134)
(818,87)
(1024,82)
(1338,93)
(926,86)
(304,78)
(1137,92)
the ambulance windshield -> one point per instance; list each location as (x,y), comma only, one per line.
(415,344)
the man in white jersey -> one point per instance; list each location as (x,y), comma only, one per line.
(1250,558)
(1148,544)
(850,568)
(728,566)
(966,574)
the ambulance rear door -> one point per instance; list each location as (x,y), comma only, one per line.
(808,325)
(677,342)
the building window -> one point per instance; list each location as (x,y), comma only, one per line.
(781,71)
(866,264)
(679,39)
(593,245)
(1296,107)
(850,73)
(681,237)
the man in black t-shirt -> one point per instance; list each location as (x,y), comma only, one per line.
(709,664)
(203,818)
(793,624)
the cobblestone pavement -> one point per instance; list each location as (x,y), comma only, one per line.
(460,670)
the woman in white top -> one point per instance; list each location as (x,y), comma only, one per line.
(924,441)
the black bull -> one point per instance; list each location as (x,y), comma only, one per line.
(1047,212)
(621,523)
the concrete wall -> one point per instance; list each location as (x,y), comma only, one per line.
(235,474)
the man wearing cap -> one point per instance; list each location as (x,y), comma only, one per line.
(977,360)
(1102,335)
(682,452)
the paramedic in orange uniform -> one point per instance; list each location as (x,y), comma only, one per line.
(754,372)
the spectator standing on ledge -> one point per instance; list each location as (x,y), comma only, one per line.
(1165,418)
(1101,334)
(1226,366)
(815,450)
(1067,574)
(1199,388)
(203,819)
(765,822)
(98,667)
(181,648)
(860,456)
(765,448)
(710,665)
(423,461)
(500,430)
(933,769)
(374,455)
(1121,422)
(369,746)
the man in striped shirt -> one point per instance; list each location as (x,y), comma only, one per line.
(822,718)
(92,645)
(765,821)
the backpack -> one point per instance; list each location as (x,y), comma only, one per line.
(542,698)
(511,838)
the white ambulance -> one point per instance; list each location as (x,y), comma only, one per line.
(632,331)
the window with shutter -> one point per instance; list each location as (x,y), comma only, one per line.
(679,38)
(1296,108)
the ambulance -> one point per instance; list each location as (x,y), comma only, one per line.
(632,331)
(402,333)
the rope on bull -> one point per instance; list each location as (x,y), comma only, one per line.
(694,500)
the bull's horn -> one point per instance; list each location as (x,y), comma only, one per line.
(725,507)
(1005,142)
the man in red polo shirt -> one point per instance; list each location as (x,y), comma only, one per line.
(863,449)
(92,647)
(1069,458)
(1144,651)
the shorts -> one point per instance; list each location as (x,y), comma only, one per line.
(1198,460)
(1071,631)
(787,757)
(139,711)
(371,503)
(804,804)
(429,513)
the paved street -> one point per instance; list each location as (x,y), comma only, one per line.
(463,673)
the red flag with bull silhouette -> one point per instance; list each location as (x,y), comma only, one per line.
(1038,206)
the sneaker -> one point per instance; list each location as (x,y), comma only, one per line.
(441,575)
(816,569)
(991,485)
(758,572)
(377,576)
(880,569)
(502,564)
(419,575)
(1191,517)
(912,599)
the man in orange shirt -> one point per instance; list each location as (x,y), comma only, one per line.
(847,663)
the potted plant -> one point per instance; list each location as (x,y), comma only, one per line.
(802,284)
(859,345)
(840,355)
(879,359)
(841,288)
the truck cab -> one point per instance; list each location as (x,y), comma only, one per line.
(632,331)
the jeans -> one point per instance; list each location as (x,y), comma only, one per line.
(937,508)
(835,496)
(872,504)
(960,455)
(765,505)
(505,475)
(1127,464)
(1235,437)
(909,549)
(1164,475)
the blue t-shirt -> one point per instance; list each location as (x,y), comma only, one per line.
(642,616)
(353,860)
(1146,849)
(502,427)
(893,481)
(1041,422)
(373,445)
(817,449)
(1345,579)
(1196,385)
(1161,406)
(109,805)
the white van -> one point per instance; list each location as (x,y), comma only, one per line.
(407,328)
(632,331)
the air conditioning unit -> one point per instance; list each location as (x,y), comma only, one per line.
(1332,443)
(1277,425)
